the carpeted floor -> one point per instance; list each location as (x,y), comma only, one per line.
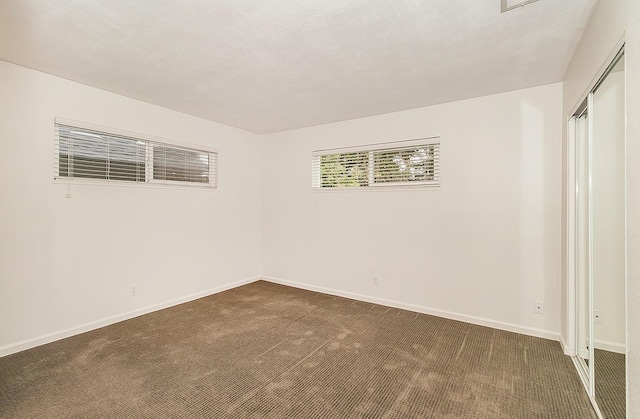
(610,384)
(266,350)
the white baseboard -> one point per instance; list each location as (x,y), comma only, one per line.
(76,330)
(610,346)
(62,334)
(530,331)
(568,350)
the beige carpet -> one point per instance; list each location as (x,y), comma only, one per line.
(610,384)
(265,350)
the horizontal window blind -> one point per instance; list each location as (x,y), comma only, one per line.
(414,163)
(180,164)
(89,154)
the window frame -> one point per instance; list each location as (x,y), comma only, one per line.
(149,141)
(372,149)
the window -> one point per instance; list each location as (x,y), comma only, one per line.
(180,164)
(96,155)
(406,163)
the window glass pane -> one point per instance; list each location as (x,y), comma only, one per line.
(344,170)
(87,154)
(407,165)
(181,165)
(197,167)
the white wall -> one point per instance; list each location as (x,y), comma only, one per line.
(611,20)
(66,264)
(482,249)
(608,213)
(632,10)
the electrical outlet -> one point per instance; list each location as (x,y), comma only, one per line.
(375,280)
(538,307)
(133,290)
(597,316)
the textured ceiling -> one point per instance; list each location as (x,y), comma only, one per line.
(272,65)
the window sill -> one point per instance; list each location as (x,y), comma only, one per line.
(128,184)
(389,188)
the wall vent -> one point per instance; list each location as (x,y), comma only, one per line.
(507,5)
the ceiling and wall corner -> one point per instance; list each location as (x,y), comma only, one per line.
(486,245)
(69,253)
(278,65)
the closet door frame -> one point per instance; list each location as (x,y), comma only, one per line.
(571,345)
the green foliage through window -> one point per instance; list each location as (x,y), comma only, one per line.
(344,170)
(408,165)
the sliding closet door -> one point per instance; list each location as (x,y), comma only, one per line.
(597,247)
(583,246)
(608,232)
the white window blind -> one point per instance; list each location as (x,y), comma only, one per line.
(180,165)
(89,154)
(406,163)
(96,155)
